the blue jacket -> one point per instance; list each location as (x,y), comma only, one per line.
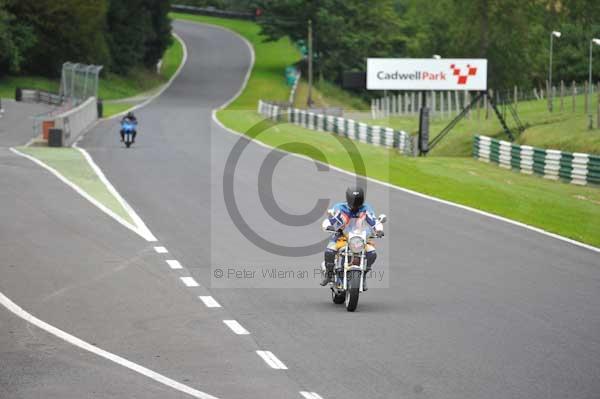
(342,214)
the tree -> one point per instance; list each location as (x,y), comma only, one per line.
(15,39)
(66,30)
(127,23)
(139,31)
(509,33)
(160,38)
(345,32)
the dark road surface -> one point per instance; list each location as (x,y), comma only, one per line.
(475,308)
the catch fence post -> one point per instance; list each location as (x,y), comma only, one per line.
(574,91)
(456,102)
(562,96)
(399,103)
(467,100)
(586,97)
(549,97)
(598,108)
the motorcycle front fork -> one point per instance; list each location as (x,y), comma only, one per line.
(347,258)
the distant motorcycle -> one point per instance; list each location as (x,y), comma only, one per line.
(351,262)
(128,128)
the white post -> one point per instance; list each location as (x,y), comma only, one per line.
(456,102)
(352,129)
(362,132)
(526,164)
(372,108)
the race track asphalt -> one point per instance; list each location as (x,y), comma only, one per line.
(474,307)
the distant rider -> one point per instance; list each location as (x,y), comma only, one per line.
(130,117)
(339,217)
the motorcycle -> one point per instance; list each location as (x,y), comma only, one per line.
(351,262)
(128,128)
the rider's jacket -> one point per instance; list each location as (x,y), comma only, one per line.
(130,120)
(340,214)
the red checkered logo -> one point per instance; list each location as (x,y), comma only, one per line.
(463,75)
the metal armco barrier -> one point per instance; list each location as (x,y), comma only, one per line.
(38,96)
(71,122)
(375,135)
(576,168)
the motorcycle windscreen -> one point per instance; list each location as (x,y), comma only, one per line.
(358,226)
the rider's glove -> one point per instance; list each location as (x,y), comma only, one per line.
(379,233)
(330,228)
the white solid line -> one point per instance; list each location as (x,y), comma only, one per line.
(174,264)
(310,395)
(467,208)
(405,190)
(189,282)
(161,250)
(165,87)
(13,307)
(79,191)
(252,57)
(271,360)
(144,231)
(209,301)
(236,327)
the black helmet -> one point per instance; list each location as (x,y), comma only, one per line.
(130,115)
(355,198)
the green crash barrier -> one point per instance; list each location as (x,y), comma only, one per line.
(575,168)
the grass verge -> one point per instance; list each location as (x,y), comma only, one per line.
(558,207)
(561,208)
(565,130)
(73,166)
(111,86)
(268,79)
(111,109)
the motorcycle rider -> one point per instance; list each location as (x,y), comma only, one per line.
(130,117)
(339,216)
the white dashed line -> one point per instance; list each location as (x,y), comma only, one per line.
(161,250)
(310,395)
(236,327)
(189,282)
(271,360)
(210,302)
(174,264)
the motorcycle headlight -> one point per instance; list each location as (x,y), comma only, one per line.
(356,244)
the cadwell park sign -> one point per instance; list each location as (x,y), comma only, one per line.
(426,74)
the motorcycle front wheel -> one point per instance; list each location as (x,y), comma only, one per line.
(353,283)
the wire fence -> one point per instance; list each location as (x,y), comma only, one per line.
(79,82)
(572,97)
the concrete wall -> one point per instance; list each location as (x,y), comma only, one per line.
(77,120)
